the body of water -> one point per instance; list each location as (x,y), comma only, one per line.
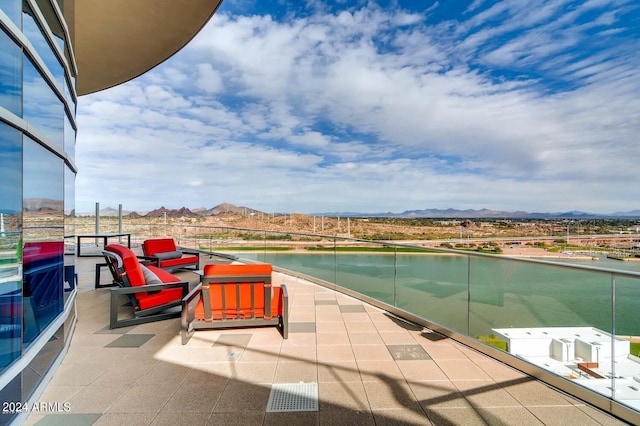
(475,294)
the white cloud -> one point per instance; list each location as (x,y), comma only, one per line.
(208,79)
(313,114)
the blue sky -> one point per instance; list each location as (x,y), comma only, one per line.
(335,106)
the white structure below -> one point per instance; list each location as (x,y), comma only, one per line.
(592,357)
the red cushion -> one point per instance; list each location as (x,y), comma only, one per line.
(131,264)
(158,245)
(150,300)
(238,269)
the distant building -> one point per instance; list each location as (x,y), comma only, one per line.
(589,356)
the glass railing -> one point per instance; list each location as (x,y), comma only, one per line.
(575,323)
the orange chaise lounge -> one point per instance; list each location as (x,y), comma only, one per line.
(166,255)
(154,293)
(235,295)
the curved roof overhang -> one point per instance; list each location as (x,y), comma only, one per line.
(117,40)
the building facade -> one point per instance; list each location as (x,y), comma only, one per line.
(37,180)
(50,52)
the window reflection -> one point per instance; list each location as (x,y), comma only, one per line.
(53,22)
(69,139)
(72,81)
(68,96)
(10,74)
(69,231)
(42,108)
(10,244)
(34,33)
(43,222)
(12,9)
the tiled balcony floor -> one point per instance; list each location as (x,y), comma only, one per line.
(370,369)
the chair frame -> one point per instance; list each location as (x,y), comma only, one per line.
(189,324)
(141,316)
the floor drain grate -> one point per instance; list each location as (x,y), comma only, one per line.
(286,397)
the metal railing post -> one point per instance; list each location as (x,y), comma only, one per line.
(120,222)
(468,295)
(335,261)
(613,336)
(395,273)
(97,222)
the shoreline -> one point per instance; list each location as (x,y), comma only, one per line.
(528,253)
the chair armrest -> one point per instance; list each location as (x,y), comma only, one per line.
(186,300)
(284,298)
(189,251)
(150,260)
(186,316)
(284,295)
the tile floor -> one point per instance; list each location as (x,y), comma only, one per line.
(368,367)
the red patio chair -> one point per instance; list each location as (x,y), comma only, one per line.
(166,255)
(154,293)
(235,295)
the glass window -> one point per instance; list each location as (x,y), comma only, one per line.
(69,231)
(10,244)
(12,9)
(52,21)
(43,230)
(10,74)
(67,55)
(67,94)
(69,139)
(42,108)
(34,33)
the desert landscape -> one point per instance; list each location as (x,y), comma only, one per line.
(228,225)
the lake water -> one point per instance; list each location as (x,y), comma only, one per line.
(473,296)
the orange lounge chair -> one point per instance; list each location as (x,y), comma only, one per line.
(166,255)
(235,295)
(153,292)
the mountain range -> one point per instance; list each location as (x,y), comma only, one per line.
(227,208)
(220,209)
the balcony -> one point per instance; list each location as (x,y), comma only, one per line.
(367,365)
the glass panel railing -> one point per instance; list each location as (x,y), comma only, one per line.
(627,294)
(557,318)
(370,274)
(319,265)
(507,293)
(433,286)
(626,350)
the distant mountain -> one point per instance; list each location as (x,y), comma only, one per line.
(107,211)
(162,211)
(230,209)
(224,208)
(438,213)
(632,213)
(42,204)
(111,212)
(488,214)
(453,213)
